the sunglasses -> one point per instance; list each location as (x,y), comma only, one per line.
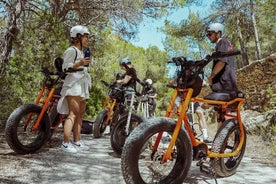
(209,34)
(86,36)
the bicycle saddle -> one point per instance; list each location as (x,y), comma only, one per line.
(224,96)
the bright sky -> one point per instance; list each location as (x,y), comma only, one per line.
(149,35)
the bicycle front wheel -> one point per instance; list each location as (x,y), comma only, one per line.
(99,124)
(19,132)
(140,165)
(119,135)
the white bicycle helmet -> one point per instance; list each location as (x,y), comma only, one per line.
(79,29)
(216,27)
(149,81)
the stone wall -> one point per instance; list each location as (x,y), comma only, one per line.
(254,81)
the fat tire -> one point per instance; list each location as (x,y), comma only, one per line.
(99,126)
(118,133)
(54,118)
(140,136)
(221,166)
(13,127)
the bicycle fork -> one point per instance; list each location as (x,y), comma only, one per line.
(129,113)
(182,117)
(44,107)
(145,109)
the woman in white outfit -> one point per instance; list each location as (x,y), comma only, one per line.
(75,89)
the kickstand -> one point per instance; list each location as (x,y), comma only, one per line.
(214,176)
(207,168)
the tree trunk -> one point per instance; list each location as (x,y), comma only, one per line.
(256,36)
(13,13)
(243,49)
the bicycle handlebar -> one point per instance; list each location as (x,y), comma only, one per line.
(220,54)
(191,69)
(46,71)
(50,82)
(215,55)
(71,70)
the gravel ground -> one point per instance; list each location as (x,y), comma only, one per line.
(101,166)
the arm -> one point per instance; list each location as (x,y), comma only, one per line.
(81,62)
(218,67)
(125,80)
(154,93)
(153,96)
(172,82)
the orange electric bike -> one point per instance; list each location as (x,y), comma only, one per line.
(161,149)
(31,125)
(113,107)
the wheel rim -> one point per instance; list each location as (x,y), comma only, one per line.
(232,143)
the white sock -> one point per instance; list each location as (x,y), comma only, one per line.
(204,132)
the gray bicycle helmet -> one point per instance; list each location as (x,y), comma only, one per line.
(216,27)
(124,61)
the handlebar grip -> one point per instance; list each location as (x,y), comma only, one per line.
(47,72)
(171,86)
(70,70)
(105,83)
(54,73)
(220,54)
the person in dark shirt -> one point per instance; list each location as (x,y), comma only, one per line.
(223,77)
(130,76)
(152,94)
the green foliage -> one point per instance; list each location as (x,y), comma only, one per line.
(273,141)
(149,63)
(271,99)
(38,43)
(187,38)
(192,29)
(94,103)
(43,37)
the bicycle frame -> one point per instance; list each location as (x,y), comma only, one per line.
(143,108)
(182,118)
(109,104)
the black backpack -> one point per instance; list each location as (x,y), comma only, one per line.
(58,64)
(87,127)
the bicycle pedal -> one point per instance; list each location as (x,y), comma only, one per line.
(206,168)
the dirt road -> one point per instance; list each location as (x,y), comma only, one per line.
(101,166)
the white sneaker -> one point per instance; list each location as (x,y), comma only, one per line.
(80,146)
(68,147)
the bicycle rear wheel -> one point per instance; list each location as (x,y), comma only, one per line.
(19,134)
(140,165)
(225,141)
